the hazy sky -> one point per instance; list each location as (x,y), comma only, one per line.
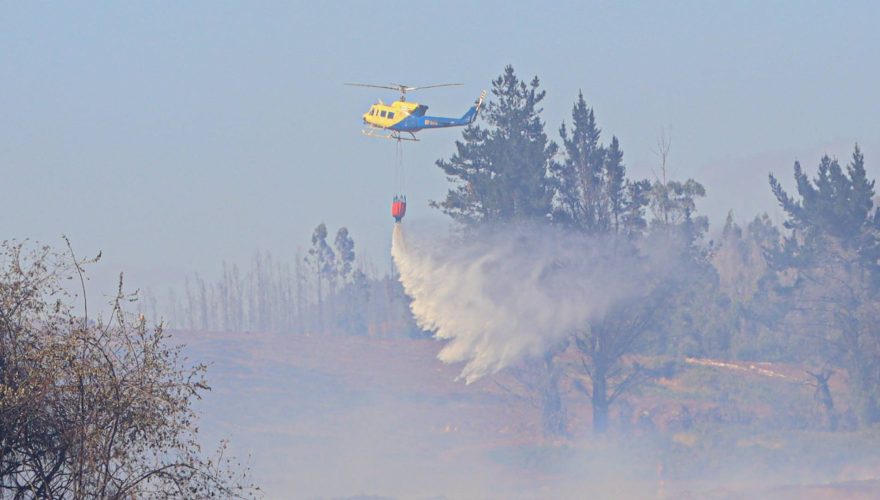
(176,135)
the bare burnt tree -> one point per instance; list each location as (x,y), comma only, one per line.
(94,408)
(822,395)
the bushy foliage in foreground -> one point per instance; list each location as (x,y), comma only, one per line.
(94,408)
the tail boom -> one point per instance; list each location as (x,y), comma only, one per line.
(414,123)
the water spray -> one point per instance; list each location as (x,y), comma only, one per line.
(513,292)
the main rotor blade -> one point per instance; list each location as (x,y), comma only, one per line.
(435,86)
(403,89)
(374,86)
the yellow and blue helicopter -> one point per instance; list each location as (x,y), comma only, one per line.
(390,121)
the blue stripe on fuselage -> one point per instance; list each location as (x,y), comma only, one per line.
(414,123)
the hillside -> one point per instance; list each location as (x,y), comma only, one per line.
(336,417)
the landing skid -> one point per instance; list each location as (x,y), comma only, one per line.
(380,133)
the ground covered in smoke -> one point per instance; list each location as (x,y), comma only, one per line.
(349,416)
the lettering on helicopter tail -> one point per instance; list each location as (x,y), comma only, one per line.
(431,122)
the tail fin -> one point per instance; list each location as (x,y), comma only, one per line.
(471,114)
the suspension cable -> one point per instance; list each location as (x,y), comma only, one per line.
(400,170)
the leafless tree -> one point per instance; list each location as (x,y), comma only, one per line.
(94,408)
(822,396)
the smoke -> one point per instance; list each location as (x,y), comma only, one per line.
(513,292)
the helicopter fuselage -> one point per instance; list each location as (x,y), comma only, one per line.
(404,116)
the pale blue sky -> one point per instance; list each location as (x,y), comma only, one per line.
(174,135)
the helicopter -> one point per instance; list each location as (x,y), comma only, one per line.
(391,121)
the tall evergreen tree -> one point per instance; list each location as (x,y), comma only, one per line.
(832,247)
(581,194)
(592,192)
(593,195)
(501,172)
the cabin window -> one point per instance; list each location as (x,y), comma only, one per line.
(390,114)
(383,114)
(372,112)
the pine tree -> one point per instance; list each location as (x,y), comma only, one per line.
(832,249)
(581,193)
(501,172)
(592,193)
(616,189)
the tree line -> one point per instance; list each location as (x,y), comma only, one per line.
(807,291)
(326,289)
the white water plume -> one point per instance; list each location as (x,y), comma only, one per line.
(513,292)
